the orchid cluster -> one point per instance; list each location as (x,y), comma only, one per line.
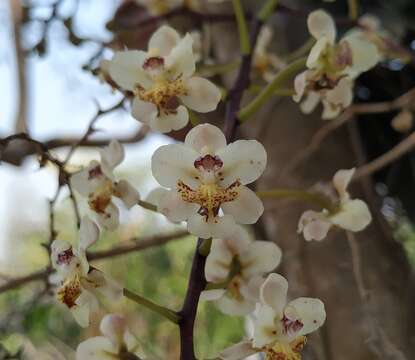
(162,81)
(348,214)
(332,67)
(204,182)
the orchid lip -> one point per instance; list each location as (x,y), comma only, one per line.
(291,326)
(65,257)
(210,197)
(94,172)
(208,162)
(70,292)
(154,62)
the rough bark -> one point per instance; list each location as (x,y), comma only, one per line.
(368,295)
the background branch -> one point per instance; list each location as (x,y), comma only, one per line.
(20,123)
(327,129)
(136,245)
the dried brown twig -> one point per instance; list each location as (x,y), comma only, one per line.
(16,154)
(387,158)
(133,245)
(370,108)
(43,151)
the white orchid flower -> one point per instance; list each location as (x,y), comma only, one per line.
(117,342)
(96,183)
(370,29)
(163,82)
(352,214)
(78,282)
(279,328)
(238,264)
(205,176)
(265,63)
(332,67)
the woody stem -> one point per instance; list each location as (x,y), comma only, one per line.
(315,198)
(280,79)
(197,280)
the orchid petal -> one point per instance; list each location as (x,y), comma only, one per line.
(143,111)
(310,312)
(273,292)
(321,24)
(164,40)
(127,193)
(201,95)
(260,257)
(126,69)
(205,137)
(173,163)
(246,208)
(243,161)
(166,122)
(181,62)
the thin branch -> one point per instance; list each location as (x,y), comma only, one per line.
(75,205)
(161,310)
(137,22)
(17,282)
(242,82)
(313,197)
(90,130)
(244,42)
(17,154)
(46,23)
(20,123)
(323,132)
(382,161)
(137,245)
(279,79)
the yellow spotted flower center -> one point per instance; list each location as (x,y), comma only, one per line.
(69,292)
(332,63)
(100,199)
(72,288)
(234,288)
(209,196)
(164,94)
(284,351)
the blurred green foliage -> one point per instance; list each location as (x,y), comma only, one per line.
(159,274)
(405,233)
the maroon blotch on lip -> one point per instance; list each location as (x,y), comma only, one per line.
(208,162)
(94,172)
(65,257)
(153,63)
(291,326)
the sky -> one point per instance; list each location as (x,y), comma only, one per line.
(61,103)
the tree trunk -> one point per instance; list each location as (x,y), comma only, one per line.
(363,278)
